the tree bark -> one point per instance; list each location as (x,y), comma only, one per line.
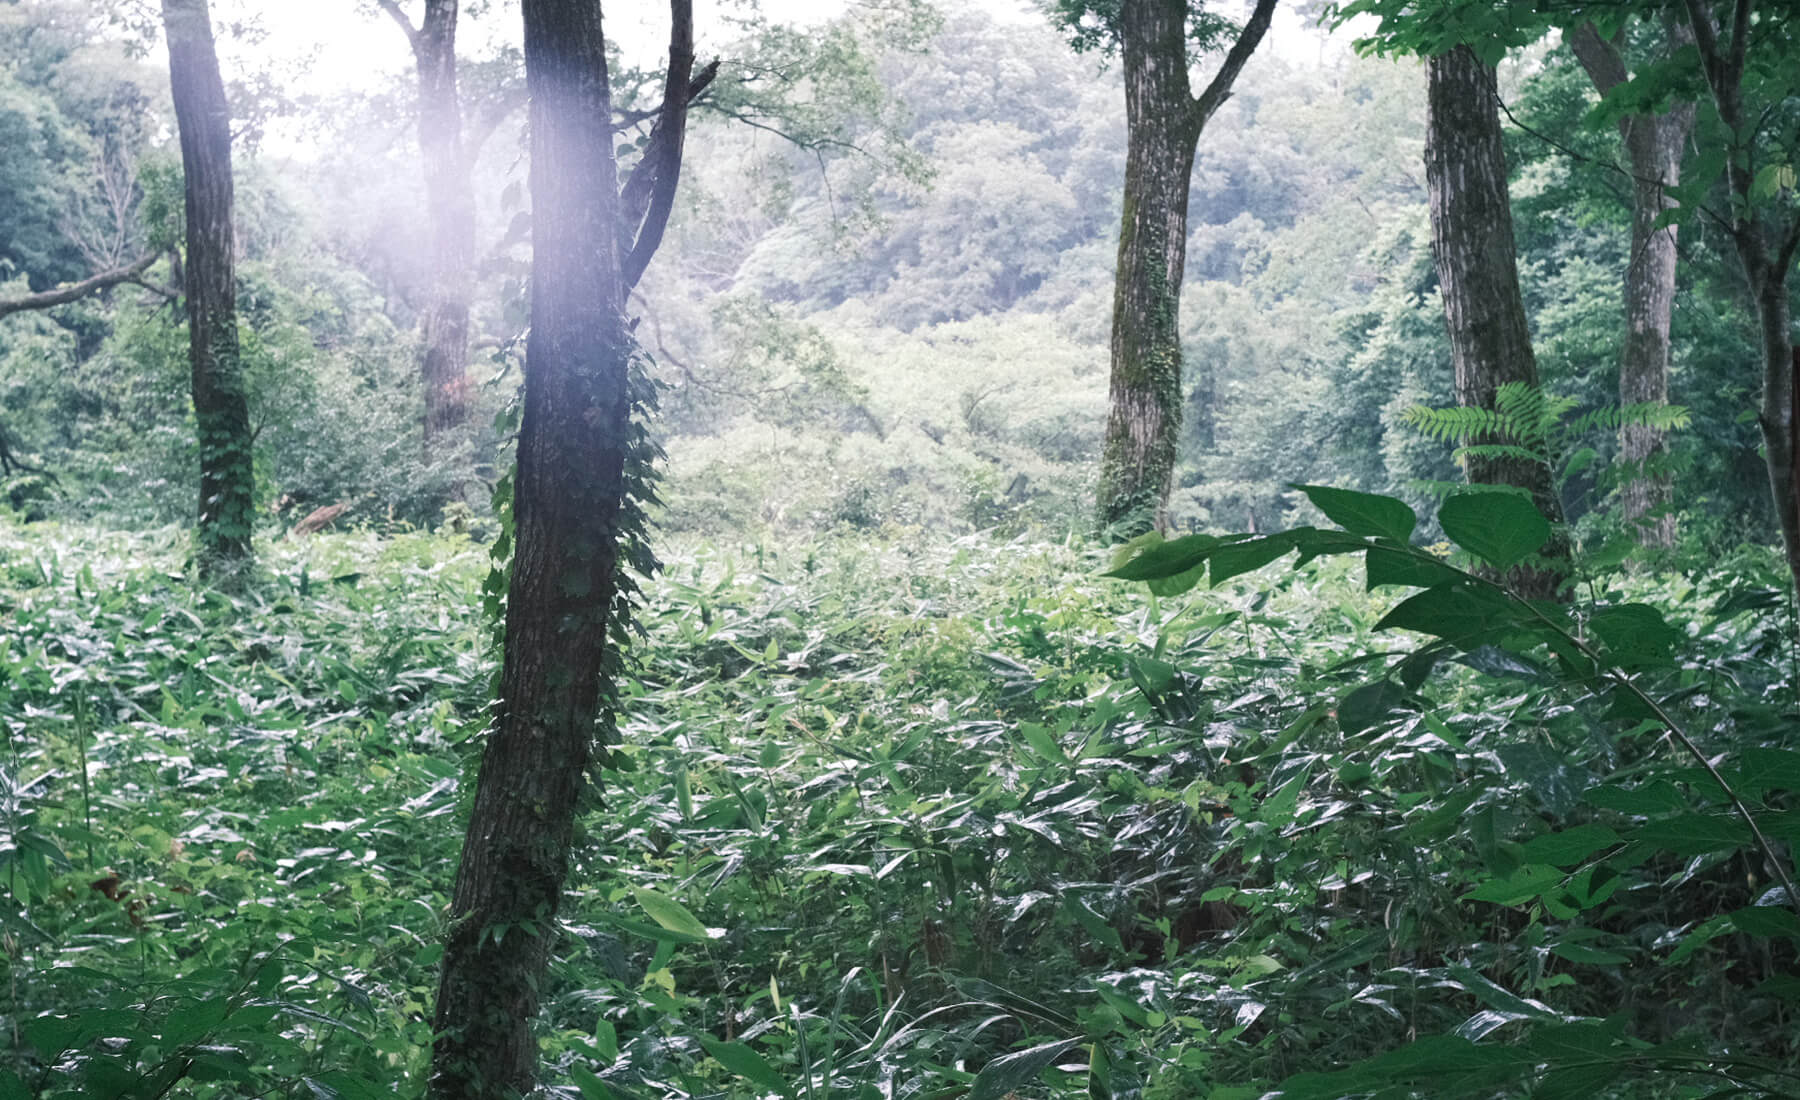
(227,486)
(576,447)
(1164,122)
(73,292)
(1472,237)
(1765,248)
(450,203)
(1653,146)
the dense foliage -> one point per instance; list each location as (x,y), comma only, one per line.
(914,791)
(881,813)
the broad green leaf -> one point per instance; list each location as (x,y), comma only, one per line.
(1412,568)
(1020,1069)
(1369,705)
(746,1063)
(592,1088)
(1635,635)
(1519,887)
(1555,781)
(1463,614)
(1159,559)
(1500,528)
(1246,557)
(1592,956)
(1769,770)
(1570,846)
(1695,834)
(1579,1082)
(1363,513)
(671,914)
(1767,921)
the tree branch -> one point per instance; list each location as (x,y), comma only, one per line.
(1248,39)
(71,292)
(1605,68)
(660,167)
(394,9)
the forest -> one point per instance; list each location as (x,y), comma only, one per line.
(899,549)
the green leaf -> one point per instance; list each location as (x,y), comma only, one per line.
(1245,557)
(1556,782)
(1369,705)
(1412,568)
(1011,1072)
(1363,513)
(592,1088)
(1767,921)
(1500,528)
(1635,635)
(1570,846)
(1519,887)
(746,1063)
(671,914)
(1770,770)
(1695,834)
(1463,614)
(1592,956)
(1158,559)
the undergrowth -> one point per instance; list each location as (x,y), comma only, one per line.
(884,821)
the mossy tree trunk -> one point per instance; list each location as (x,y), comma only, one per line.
(1164,122)
(571,507)
(227,486)
(1478,275)
(1653,145)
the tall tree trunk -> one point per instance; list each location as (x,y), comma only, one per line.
(1653,146)
(1472,236)
(576,444)
(450,201)
(227,486)
(1163,124)
(1765,247)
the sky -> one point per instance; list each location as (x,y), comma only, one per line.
(330,45)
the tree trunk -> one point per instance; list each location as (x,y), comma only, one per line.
(227,487)
(1765,247)
(1653,147)
(1138,460)
(1779,416)
(1472,235)
(1163,124)
(450,196)
(577,450)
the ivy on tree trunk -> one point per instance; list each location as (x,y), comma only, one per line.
(1164,122)
(1478,275)
(227,486)
(580,464)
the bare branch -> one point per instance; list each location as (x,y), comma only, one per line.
(1249,38)
(71,292)
(660,167)
(394,9)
